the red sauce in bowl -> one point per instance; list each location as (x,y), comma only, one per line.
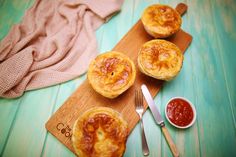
(179,112)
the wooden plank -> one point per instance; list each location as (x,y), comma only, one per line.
(215,129)
(8,110)
(85,97)
(225,24)
(27,134)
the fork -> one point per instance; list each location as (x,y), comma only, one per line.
(139,109)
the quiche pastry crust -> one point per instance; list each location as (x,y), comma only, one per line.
(111,73)
(161,21)
(160,59)
(100,132)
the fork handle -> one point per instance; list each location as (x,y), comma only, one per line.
(170,142)
(144,141)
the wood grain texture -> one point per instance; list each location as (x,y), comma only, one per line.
(207,79)
(211,98)
(21,130)
(170,142)
(61,123)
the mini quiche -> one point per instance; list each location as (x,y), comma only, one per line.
(160,59)
(111,73)
(161,21)
(100,132)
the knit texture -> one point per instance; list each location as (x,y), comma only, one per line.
(54,43)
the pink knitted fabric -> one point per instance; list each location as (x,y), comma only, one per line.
(54,43)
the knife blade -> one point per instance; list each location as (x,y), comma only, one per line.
(159,120)
(151,104)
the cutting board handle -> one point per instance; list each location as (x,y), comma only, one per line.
(181,8)
(62,121)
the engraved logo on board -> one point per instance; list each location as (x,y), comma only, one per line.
(64,129)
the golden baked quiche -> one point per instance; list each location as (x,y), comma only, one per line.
(111,73)
(100,132)
(160,59)
(161,21)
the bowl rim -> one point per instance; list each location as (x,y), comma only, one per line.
(193,108)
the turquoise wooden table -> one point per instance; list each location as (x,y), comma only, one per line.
(208,79)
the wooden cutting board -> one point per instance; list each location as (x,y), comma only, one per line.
(61,123)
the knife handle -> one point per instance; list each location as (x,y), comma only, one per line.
(170,142)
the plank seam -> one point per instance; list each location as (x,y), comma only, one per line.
(223,65)
(194,87)
(52,112)
(11,127)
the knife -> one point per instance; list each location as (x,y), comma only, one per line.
(159,120)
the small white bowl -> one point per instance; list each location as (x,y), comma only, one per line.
(194,113)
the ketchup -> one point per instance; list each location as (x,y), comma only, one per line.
(179,112)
